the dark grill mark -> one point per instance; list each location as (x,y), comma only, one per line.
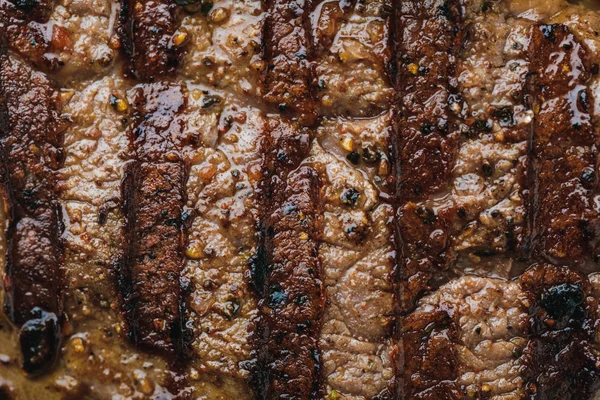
(146,31)
(565,222)
(31,150)
(425,138)
(24,25)
(154,199)
(287,270)
(154,185)
(424,143)
(429,348)
(287,78)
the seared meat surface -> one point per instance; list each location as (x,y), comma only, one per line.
(32,142)
(287,199)
(488,338)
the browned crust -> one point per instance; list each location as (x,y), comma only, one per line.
(287,77)
(560,360)
(564,221)
(146,31)
(430,367)
(156,131)
(425,37)
(27,32)
(154,198)
(287,273)
(425,137)
(31,150)
(423,145)
(334,13)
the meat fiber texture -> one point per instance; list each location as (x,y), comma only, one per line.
(306,199)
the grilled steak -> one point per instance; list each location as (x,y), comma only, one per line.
(489,338)
(285,199)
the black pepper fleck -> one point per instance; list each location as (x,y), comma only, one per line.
(349,196)
(353,157)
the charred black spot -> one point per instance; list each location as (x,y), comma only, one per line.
(487,168)
(583,101)
(205,6)
(485,252)
(26,5)
(289,208)
(186,215)
(301,299)
(210,100)
(353,157)
(231,308)
(105,209)
(39,339)
(562,301)
(445,10)
(370,154)
(277,296)
(423,70)
(483,125)
(505,115)
(282,156)
(186,2)
(426,214)
(355,232)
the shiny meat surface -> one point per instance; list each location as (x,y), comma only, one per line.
(476,327)
(425,134)
(149,274)
(320,199)
(31,146)
(489,338)
(565,152)
(526,80)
